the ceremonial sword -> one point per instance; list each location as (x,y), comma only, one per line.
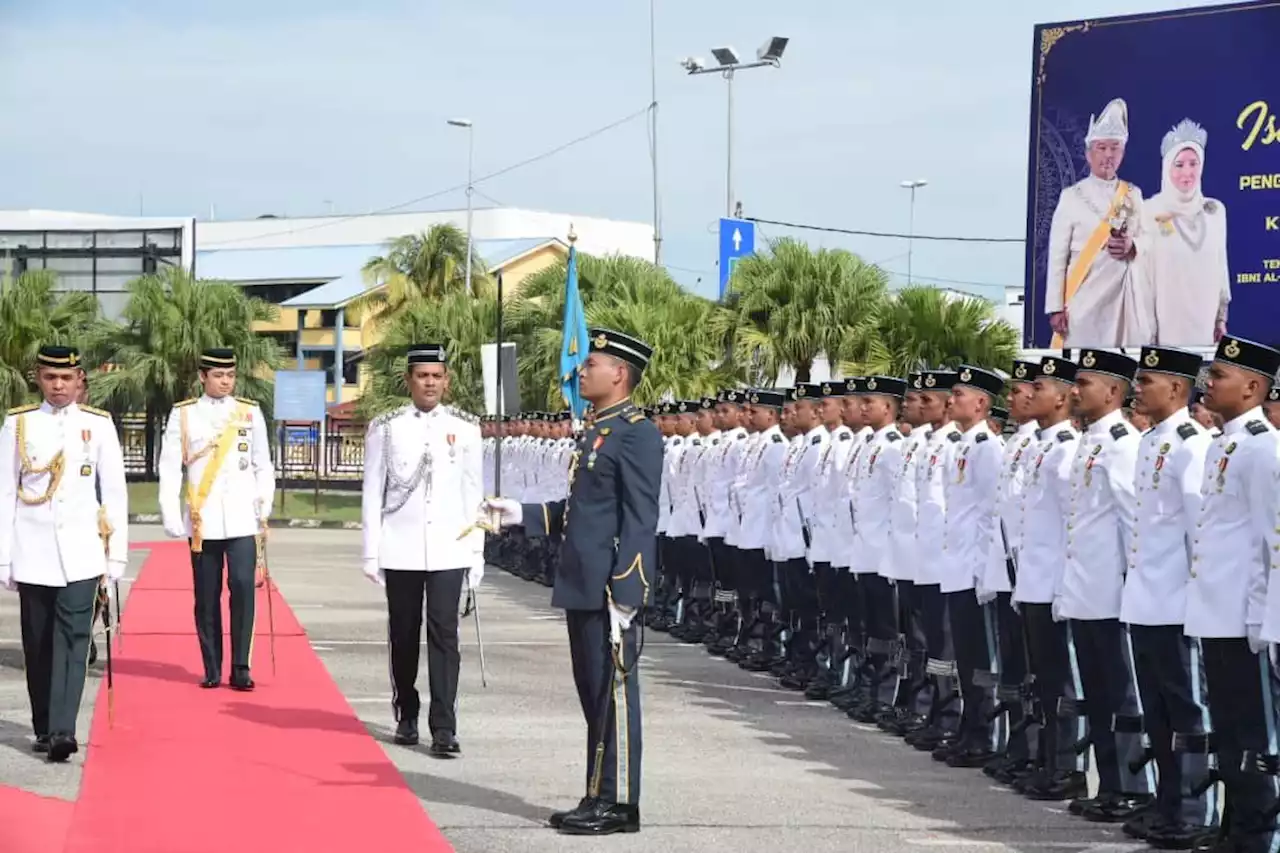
(266,581)
(104,533)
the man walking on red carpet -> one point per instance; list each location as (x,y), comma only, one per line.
(608,555)
(423,478)
(58,538)
(221,444)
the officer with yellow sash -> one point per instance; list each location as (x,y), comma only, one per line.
(58,539)
(220,443)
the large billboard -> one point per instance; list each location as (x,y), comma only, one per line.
(1153,199)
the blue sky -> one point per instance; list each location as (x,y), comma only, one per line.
(286,107)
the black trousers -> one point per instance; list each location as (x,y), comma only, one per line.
(610,703)
(971,635)
(722,563)
(443,593)
(1171,683)
(755,575)
(1244,693)
(1050,655)
(240,557)
(1111,702)
(56,622)
(799,589)
(1013,673)
(669,587)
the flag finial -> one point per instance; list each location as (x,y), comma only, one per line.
(573,238)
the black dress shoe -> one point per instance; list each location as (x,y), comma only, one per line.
(407,732)
(241,681)
(210,683)
(557,818)
(602,819)
(444,745)
(1116,808)
(41,745)
(62,747)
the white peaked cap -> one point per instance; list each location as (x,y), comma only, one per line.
(1113,123)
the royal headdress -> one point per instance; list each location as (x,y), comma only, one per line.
(1185,132)
(1113,123)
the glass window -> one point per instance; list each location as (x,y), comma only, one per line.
(69,239)
(129,265)
(119,239)
(75,281)
(14,239)
(70,265)
(113,305)
(162,239)
(114,282)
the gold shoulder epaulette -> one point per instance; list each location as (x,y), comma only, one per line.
(182,403)
(30,407)
(246,401)
(95,411)
(635,417)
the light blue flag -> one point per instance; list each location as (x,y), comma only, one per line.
(573,351)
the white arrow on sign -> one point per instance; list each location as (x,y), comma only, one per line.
(737,240)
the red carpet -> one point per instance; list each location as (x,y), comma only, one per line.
(286,768)
(32,824)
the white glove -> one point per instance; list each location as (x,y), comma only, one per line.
(985,596)
(115,569)
(1057,610)
(1256,644)
(373,573)
(175,530)
(509,513)
(619,621)
(475,574)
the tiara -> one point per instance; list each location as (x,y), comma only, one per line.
(1185,131)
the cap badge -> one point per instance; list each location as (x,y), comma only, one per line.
(826,389)
(1231,350)
(1020,371)
(966,375)
(930,381)
(1151,359)
(1049,368)
(800,391)
(1089,360)
(600,341)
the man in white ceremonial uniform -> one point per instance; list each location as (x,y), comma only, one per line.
(1170,671)
(794,526)
(909,700)
(700,600)
(685,524)
(762,471)
(1271,408)
(1091,286)
(739,434)
(971,505)
(1100,527)
(59,540)
(940,449)
(216,453)
(422,485)
(667,603)
(1229,604)
(825,520)
(717,488)
(996,584)
(1040,559)
(879,399)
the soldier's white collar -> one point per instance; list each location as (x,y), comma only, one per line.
(50,409)
(1236,425)
(1172,422)
(217,401)
(1106,422)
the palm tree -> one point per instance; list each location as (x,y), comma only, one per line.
(795,304)
(689,333)
(927,327)
(460,321)
(427,265)
(33,313)
(169,319)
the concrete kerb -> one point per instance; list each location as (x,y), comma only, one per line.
(303,523)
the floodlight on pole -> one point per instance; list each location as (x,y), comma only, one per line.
(911,219)
(465,123)
(769,55)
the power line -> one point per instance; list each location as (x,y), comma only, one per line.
(887,234)
(536,158)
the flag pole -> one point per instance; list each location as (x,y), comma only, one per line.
(502,430)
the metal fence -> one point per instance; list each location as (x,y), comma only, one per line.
(302,453)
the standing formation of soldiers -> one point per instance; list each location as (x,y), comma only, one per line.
(1023,591)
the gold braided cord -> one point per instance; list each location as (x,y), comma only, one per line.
(54,469)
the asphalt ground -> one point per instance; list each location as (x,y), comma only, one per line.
(730,761)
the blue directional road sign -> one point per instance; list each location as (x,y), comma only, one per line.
(737,240)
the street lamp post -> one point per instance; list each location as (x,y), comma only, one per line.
(770,55)
(471,148)
(911,219)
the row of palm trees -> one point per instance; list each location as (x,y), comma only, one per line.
(786,307)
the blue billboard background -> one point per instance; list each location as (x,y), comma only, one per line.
(1208,64)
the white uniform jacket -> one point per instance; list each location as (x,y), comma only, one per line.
(422,488)
(49,533)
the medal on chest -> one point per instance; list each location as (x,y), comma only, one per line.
(1088,465)
(871,463)
(1160,456)
(595,449)
(452,441)
(1222,465)
(86,436)
(961,464)
(1039,462)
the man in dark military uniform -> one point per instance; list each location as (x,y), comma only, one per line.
(608,559)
